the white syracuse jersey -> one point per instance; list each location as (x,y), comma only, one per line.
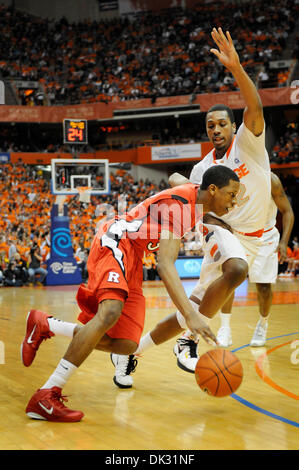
(264,268)
(271,215)
(248,157)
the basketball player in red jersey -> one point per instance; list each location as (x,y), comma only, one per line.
(112,304)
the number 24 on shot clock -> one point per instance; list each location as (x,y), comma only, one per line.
(75,131)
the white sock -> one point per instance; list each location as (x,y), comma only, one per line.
(63,328)
(264,320)
(61,375)
(146,342)
(225,319)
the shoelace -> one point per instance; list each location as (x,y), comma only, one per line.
(59,399)
(132,363)
(43,336)
(183,343)
(260,331)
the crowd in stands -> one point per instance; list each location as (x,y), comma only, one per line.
(286,149)
(14,139)
(290,268)
(150,55)
(25,206)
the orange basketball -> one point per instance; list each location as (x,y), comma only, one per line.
(219,372)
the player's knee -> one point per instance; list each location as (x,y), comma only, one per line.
(235,270)
(110,312)
(125,346)
(117,345)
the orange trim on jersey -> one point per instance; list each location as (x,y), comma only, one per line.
(227,152)
(257,234)
(269,229)
(213,249)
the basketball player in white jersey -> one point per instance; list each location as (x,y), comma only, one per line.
(264,269)
(253,216)
(244,152)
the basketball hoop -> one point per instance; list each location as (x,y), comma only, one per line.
(84,193)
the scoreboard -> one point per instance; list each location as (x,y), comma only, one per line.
(75,131)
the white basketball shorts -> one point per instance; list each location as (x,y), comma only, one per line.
(264,268)
(219,245)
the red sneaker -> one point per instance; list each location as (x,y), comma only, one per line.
(47,404)
(37,330)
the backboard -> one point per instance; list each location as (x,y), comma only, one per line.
(69,175)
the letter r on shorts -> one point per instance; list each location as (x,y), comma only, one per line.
(113,277)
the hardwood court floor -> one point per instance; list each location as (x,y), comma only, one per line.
(165,409)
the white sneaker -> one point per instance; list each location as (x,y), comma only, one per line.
(186,352)
(224,337)
(124,366)
(259,335)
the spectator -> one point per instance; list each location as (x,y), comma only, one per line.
(292,263)
(149,267)
(81,256)
(295,243)
(1,274)
(21,268)
(12,276)
(12,249)
(35,268)
(4,248)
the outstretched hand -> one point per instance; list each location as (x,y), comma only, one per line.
(227,53)
(199,327)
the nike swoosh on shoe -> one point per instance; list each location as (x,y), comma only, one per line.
(29,340)
(47,410)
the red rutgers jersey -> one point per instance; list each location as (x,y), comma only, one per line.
(115,259)
(173,209)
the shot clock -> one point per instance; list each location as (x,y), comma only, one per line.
(75,131)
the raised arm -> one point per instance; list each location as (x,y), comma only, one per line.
(284,206)
(168,253)
(253,114)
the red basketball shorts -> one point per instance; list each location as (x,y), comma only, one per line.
(114,274)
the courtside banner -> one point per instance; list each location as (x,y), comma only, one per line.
(176,152)
(62,265)
(4,157)
(189,267)
(92,111)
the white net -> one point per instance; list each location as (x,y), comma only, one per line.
(84,193)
